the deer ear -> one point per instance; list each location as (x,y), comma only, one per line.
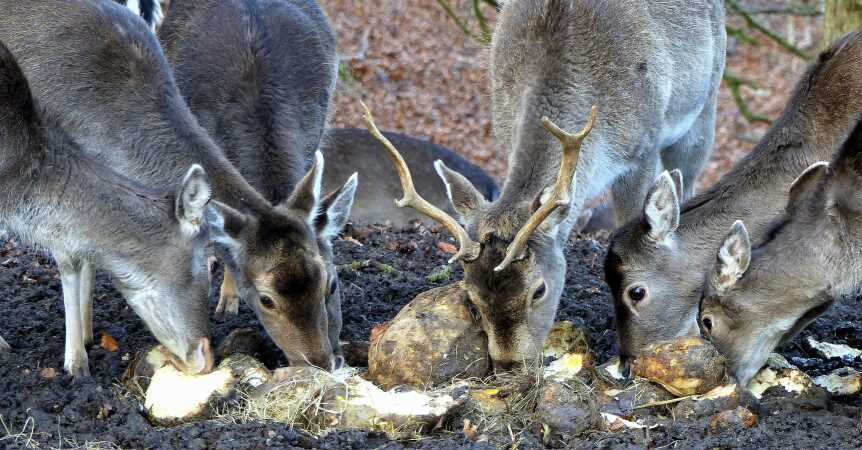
(676,176)
(463,196)
(661,208)
(336,209)
(306,196)
(804,184)
(733,258)
(191,200)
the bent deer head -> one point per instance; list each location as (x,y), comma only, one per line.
(514,267)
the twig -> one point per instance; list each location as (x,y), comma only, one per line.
(454,16)
(741,35)
(735,83)
(664,402)
(754,23)
(790,10)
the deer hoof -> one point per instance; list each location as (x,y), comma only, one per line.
(78,366)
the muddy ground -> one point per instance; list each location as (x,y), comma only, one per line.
(39,410)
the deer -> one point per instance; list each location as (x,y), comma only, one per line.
(655,264)
(152,242)
(551,60)
(262,90)
(347,151)
(112,89)
(758,297)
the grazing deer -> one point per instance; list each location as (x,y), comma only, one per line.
(151,242)
(655,264)
(262,89)
(755,299)
(102,73)
(654,66)
(347,150)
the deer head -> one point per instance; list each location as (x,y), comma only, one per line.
(755,299)
(514,267)
(280,264)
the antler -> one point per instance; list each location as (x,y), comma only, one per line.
(562,187)
(469,249)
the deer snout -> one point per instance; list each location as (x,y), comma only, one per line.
(199,359)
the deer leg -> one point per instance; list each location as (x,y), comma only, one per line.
(692,151)
(85,296)
(630,190)
(76,355)
(228,299)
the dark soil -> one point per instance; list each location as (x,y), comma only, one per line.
(57,412)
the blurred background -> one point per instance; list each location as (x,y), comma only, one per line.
(420,64)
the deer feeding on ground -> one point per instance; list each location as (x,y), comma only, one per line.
(151,242)
(111,87)
(264,95)
(657,85)
(755,299)
(655,264)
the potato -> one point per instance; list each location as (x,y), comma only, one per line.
(174,397)
(683,366)
(432,340)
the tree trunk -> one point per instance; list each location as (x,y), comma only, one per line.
(841,17)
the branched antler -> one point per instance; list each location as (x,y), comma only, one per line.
(561,194)
(469,249)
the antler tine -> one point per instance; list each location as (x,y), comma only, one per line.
(560,196)
(469,249)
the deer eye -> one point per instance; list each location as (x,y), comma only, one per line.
(540,292)
(637,293)
(707,324)
(267,302)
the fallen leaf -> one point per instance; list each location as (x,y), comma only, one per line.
(109,343)
(48,372)
(470,430)
(446,247)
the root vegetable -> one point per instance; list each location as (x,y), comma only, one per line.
(683,366)
(432,340)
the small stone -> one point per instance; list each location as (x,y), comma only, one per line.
(736,418)
(432,340)
(565,411)
(683,366)
(240,340)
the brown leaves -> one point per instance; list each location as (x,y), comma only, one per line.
(109,343)
(446,247)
